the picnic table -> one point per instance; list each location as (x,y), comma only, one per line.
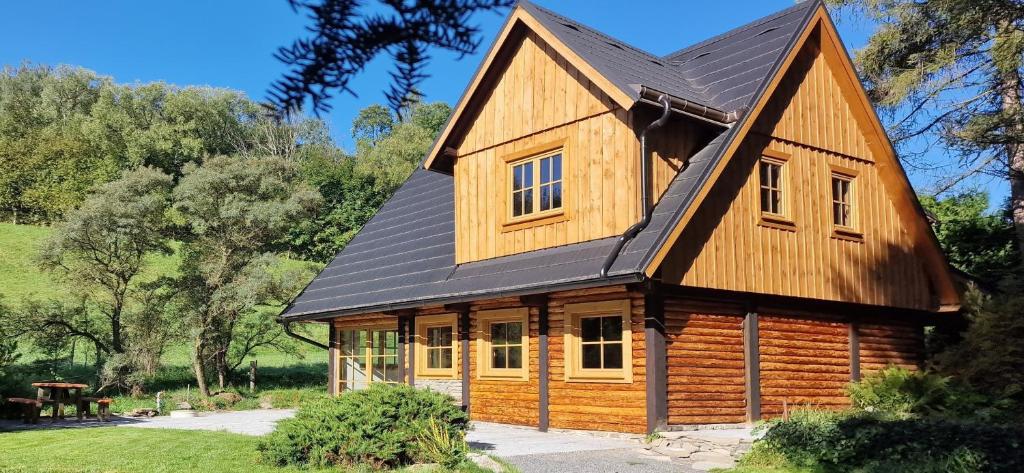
(59,393)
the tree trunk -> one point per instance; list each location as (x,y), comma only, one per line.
(1011,107)
(222,369)
(199,349)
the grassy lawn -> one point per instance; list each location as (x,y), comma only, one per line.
(130,450)
(285,377)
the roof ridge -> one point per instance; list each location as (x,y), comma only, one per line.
(574,23)
(742,28)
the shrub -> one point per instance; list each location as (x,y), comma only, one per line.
(901,393)
(440,444)
(848,442)
(381,426)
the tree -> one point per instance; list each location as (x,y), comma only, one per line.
(949,72)
(346,38)
(975,241)
(232,211)
(101,250)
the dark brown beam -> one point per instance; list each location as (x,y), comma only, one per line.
(402,344)
(464,332)
(459,307)
(854,351)
(752,365)
(543,396)
(412,350)
(332,360)
(534,300)
(656,362)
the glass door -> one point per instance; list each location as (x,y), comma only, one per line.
(367,356)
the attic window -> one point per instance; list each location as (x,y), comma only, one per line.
(609,43)
(535,186)
(769,30)
(570,26)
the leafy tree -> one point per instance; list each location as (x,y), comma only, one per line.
(347,37)
(977,242)
(949,72)
(101,250)
(232,211)
(389,151)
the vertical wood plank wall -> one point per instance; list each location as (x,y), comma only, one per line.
(614,407)
(538,98)
(887,344)
(705,366)
(507,402)
(724,247)
(804,363)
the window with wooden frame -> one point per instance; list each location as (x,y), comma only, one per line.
(503,344)
(367,355)
(772,179)
(598,342)
(437,346)
(844,222)
(535,185)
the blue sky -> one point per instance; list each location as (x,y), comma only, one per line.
(229,43)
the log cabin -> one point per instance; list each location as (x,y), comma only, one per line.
(606,239)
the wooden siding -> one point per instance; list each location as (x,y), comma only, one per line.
(804,362)
(725,246)
(705,366)
(504,401)
(618,407)
(536,99)
(882,345)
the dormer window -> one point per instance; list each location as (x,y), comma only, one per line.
(535,185)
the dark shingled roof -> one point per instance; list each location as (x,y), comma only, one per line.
(405,255)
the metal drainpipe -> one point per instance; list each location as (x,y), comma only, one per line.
(645,198)
(288,330)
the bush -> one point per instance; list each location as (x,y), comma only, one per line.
(381,426)
(848,442)
(901,393)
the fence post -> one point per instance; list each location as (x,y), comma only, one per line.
(252,376)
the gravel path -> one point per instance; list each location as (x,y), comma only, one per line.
(258,422)
(623,460)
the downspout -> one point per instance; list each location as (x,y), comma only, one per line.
(288,330)
(645,191)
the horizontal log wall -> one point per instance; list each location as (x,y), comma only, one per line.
(616,407)
(504,401)
(890,344)
(705,366)
(804,363)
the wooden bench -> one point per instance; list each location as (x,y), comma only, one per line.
(30,408)
(102,407)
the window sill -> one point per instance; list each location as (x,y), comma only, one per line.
(520,223)
(445,376)
(618,378)
(500,377)
(848,234)
(777,222)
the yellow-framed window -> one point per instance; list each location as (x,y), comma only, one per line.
(598,342)
(842,200)
(536,186)
(771,171)
(503,344)
(437,346)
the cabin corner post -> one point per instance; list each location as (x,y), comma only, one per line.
(464,332)
(403,345)
(540,302)
(411,336)
(854,352)
(332,359)
(656,360)
(752,364)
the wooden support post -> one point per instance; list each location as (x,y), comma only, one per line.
(252,376)
(657,362)
(542,347)
(332,360)
(402,346)
(411,337)
(854,352)
(752,365)
(540,302)
(464,332)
